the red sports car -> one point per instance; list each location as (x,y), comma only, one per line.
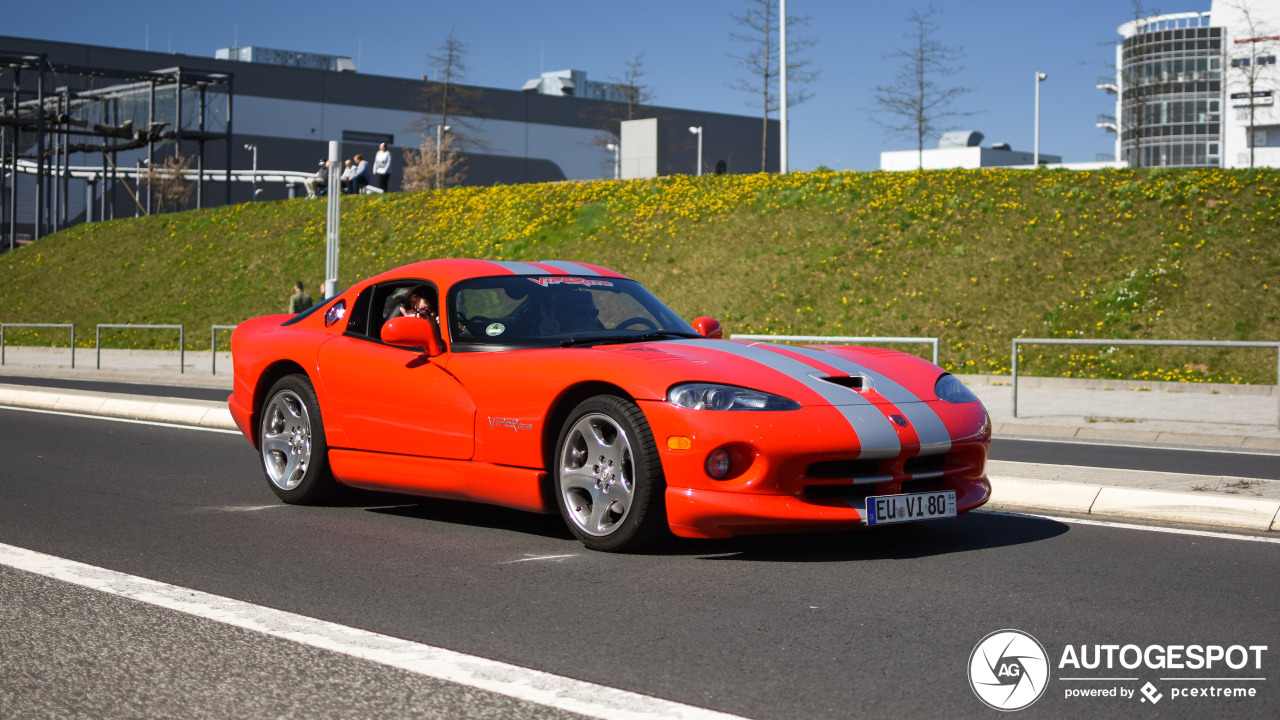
(566,387)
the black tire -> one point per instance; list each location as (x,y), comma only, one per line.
(608,478)
(295,456)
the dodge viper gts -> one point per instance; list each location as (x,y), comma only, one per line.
(563,387)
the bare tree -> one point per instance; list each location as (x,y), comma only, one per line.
(629,85)
(173,191)
(1252,62)
(760,23)
(429,167)
(446,102)
(917,103)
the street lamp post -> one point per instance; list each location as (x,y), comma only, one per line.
(782,87)
(440,131)
(1040,77)
(617,160)
(697,130)
(254,149)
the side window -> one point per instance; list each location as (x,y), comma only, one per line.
(379,303)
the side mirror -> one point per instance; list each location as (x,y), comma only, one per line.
(414,332)
(708,327)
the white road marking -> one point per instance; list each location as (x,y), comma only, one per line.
(1130,526)
(534,686)
(542,557)
(120,419)
(244,508)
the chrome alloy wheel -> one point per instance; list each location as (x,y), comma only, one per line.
(286,440)
(597,474)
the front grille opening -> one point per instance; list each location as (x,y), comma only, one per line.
(844,469)
(848,493)
(925,465)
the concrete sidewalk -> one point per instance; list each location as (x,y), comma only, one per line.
(1175,415)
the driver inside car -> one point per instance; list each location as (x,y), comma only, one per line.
(568,310)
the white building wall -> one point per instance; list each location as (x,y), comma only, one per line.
(1266,20)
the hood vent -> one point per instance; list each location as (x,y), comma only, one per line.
(857,383)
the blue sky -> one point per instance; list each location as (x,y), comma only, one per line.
(686,48)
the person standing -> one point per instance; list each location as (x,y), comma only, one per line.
(382,168)
(300,300)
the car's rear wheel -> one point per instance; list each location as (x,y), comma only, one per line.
(608,477)
(295,456)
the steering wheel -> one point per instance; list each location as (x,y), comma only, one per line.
(637,320)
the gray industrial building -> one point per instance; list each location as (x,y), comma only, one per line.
(289,105)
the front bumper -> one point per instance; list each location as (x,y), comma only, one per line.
(803,470)
(695,513)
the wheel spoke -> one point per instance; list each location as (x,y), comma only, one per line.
(275,443)
(581,479)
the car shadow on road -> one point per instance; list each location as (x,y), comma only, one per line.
(458,512)
(972,532)
(976,531)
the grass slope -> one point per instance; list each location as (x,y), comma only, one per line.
(975,258)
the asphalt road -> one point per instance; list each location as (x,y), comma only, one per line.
(871,624)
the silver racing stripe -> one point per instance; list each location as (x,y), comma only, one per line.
(876,434)
(519,268)
(572,268)
(933,433)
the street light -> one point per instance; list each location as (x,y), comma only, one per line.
(617,160)
(254,149)
(697,130)
(1040,77)
(440,131)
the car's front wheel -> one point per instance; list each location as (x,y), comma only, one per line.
(295,456)
(609,482)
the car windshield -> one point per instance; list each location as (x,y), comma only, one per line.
(552,310)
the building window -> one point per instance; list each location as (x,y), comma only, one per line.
(356,136)
(1239,62)
(1266,60)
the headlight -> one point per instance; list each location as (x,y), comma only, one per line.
(950,389)
(710,396)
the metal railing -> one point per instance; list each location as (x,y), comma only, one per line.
(213,345)
(182,336)
(1153,343)
(845,339)
(45,325)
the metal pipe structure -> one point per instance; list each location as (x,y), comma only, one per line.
(71,326)
(843,340)
(1150,343)
(213,345)
(182,342)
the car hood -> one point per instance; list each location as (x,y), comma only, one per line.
(811,375)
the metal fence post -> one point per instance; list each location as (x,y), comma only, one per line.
(1013,367)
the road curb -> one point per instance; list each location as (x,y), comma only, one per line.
(1207,441)
(198,413)
(1253,514)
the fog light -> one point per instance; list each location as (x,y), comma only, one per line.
(718,464)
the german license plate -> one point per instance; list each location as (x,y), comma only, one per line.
(885,509)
